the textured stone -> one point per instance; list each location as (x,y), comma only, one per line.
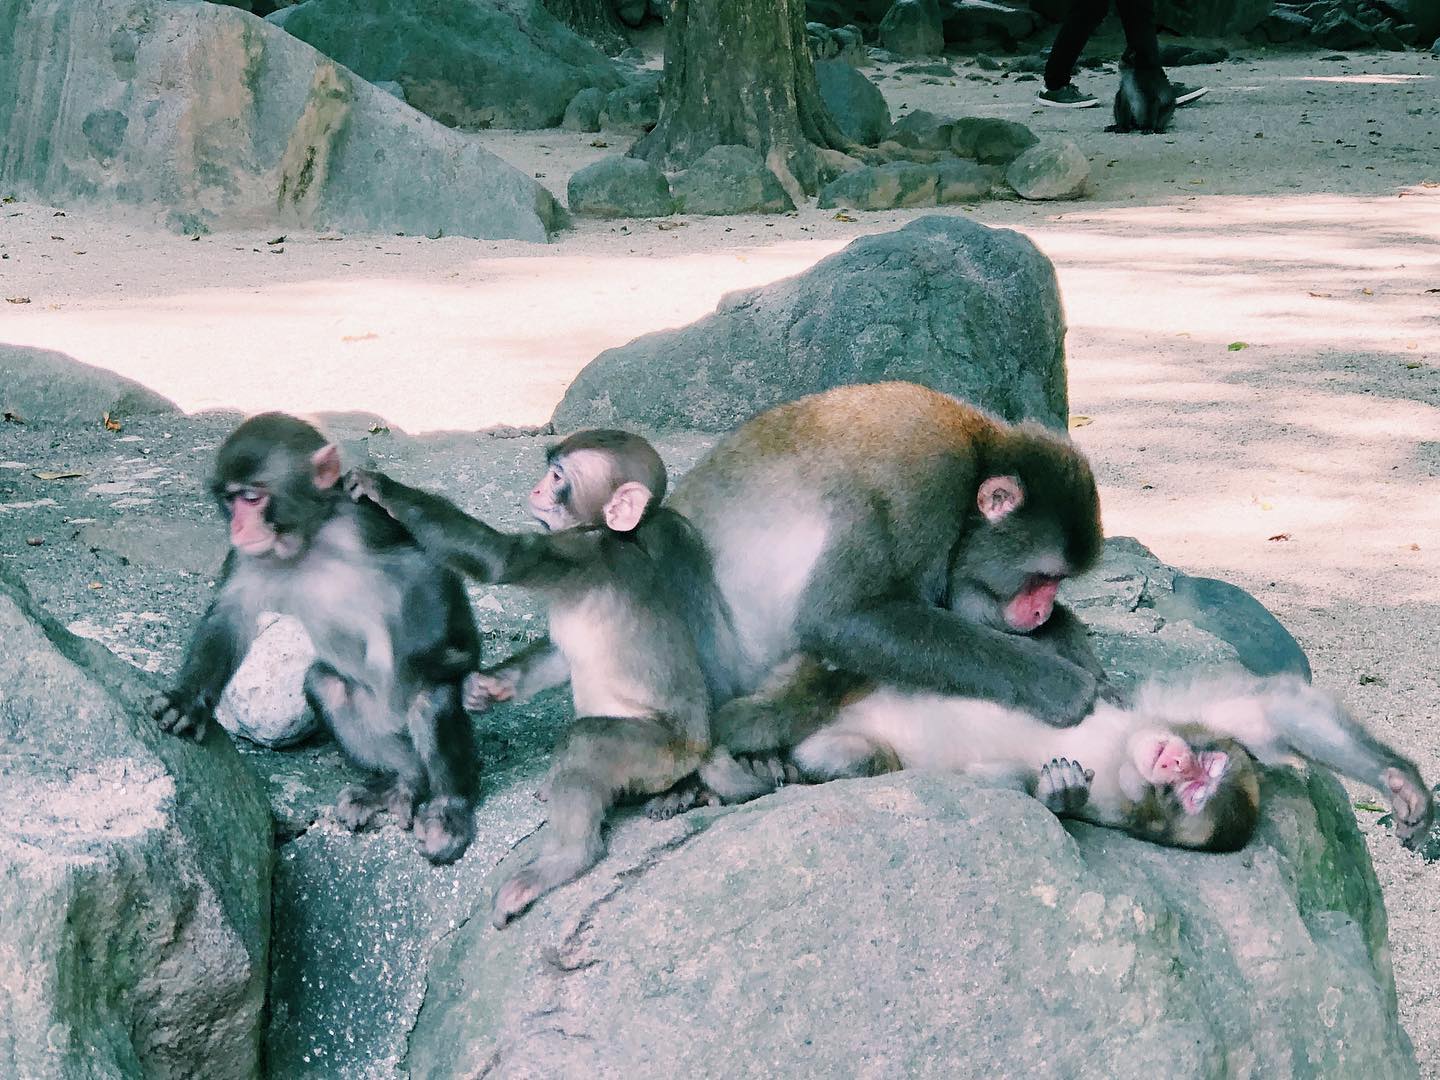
(962,182)
(52,389)
(730,180)
(923,130)
(620,187)
(635,107)
(883,187)
(134,873)
(965,309)
(1211,18)
(213,118)
(989,140)
(1049,170)
(854,101)
(265,701)
(583,112)
(486,63)
(912,28)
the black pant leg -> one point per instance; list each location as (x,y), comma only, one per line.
(1079,24)
(1138,19)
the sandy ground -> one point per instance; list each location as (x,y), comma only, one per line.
(1254,347)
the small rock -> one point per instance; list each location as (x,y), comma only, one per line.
(971,20)
(883,187)
(1341,31)
(962,182)
(1033,63)
(1282,26)
(924,130)
(632,108)
(620,187)
(912,28)
(265,701)
(1049,170)
(885,56)
(852,46)
(1186,56)
(583,112)
(854,101)
(931,68)
(988,63)
(730,180)
(990,140)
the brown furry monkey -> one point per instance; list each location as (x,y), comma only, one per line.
(636,625)
(392,629)
(1175,767)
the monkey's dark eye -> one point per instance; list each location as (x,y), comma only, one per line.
(252,496)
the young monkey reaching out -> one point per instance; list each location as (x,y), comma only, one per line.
(636,625)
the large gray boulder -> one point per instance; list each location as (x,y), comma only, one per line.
(883,187)
(904,924)
(963,308)
(854,101)
(213,118)
(730,180)
(913,28)
(480,64)
(52,389)
(620,186)
(134,873)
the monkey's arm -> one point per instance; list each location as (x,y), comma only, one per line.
(215,651)
(1284,715)
(538,666)
(1070,638)
(468,544)
(922,647)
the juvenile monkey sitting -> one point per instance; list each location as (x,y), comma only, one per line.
(636,625)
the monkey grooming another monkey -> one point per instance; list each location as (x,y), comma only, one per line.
(636,625)
(893,530)
(392,630)
(1145,101)
(1174,768)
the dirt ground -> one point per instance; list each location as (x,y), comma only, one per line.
(1254,347)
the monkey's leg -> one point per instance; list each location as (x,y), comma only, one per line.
(836,755)
(343,710)
(602,759)
(445,743)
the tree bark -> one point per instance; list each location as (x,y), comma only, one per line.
(594,20)
(739,72)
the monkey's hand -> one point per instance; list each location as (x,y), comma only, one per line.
(366,484)
(1413,806)
(1064,786)
(1065,695)
(480,690)
(181,715)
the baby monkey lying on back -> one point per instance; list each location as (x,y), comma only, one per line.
(1177,767)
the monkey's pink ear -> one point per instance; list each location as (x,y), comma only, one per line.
(325,467)
(627,506)
(999,497)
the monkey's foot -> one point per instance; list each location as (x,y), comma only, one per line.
(444,827)
(515,894)
(1064,786)
(358,805)
(479,691)
(684,796)
(1413,806)
(173,718)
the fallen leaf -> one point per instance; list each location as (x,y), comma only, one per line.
(1279,536)
(842,216)
(8,199)
(277,240)
(13,417)
(1432,290)
(34,541)
(62,474)
(57,238)
(1322,295)
(667,226)
(1371,680)
(17,299)
(1236,346)
(94,585)
(1414,547)
(1411,365)
(599,144)
(277,251)
(1081,421)
(111,424)
(1366,804)
(369,335)
(379,429)
(1367,292)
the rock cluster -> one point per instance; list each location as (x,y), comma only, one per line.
(1352,24)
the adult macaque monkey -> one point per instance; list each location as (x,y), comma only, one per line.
(393,630)
(636,625)
(892,530)
(1174,768)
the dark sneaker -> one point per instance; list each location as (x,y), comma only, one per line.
(1184,95)
(1067,97)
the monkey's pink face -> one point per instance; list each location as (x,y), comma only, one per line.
(250,533)
(1164,759)
(550,499)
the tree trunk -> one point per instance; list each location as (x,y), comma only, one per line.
(594,20)
(739,72)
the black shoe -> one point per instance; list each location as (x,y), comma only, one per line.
(1067,97)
